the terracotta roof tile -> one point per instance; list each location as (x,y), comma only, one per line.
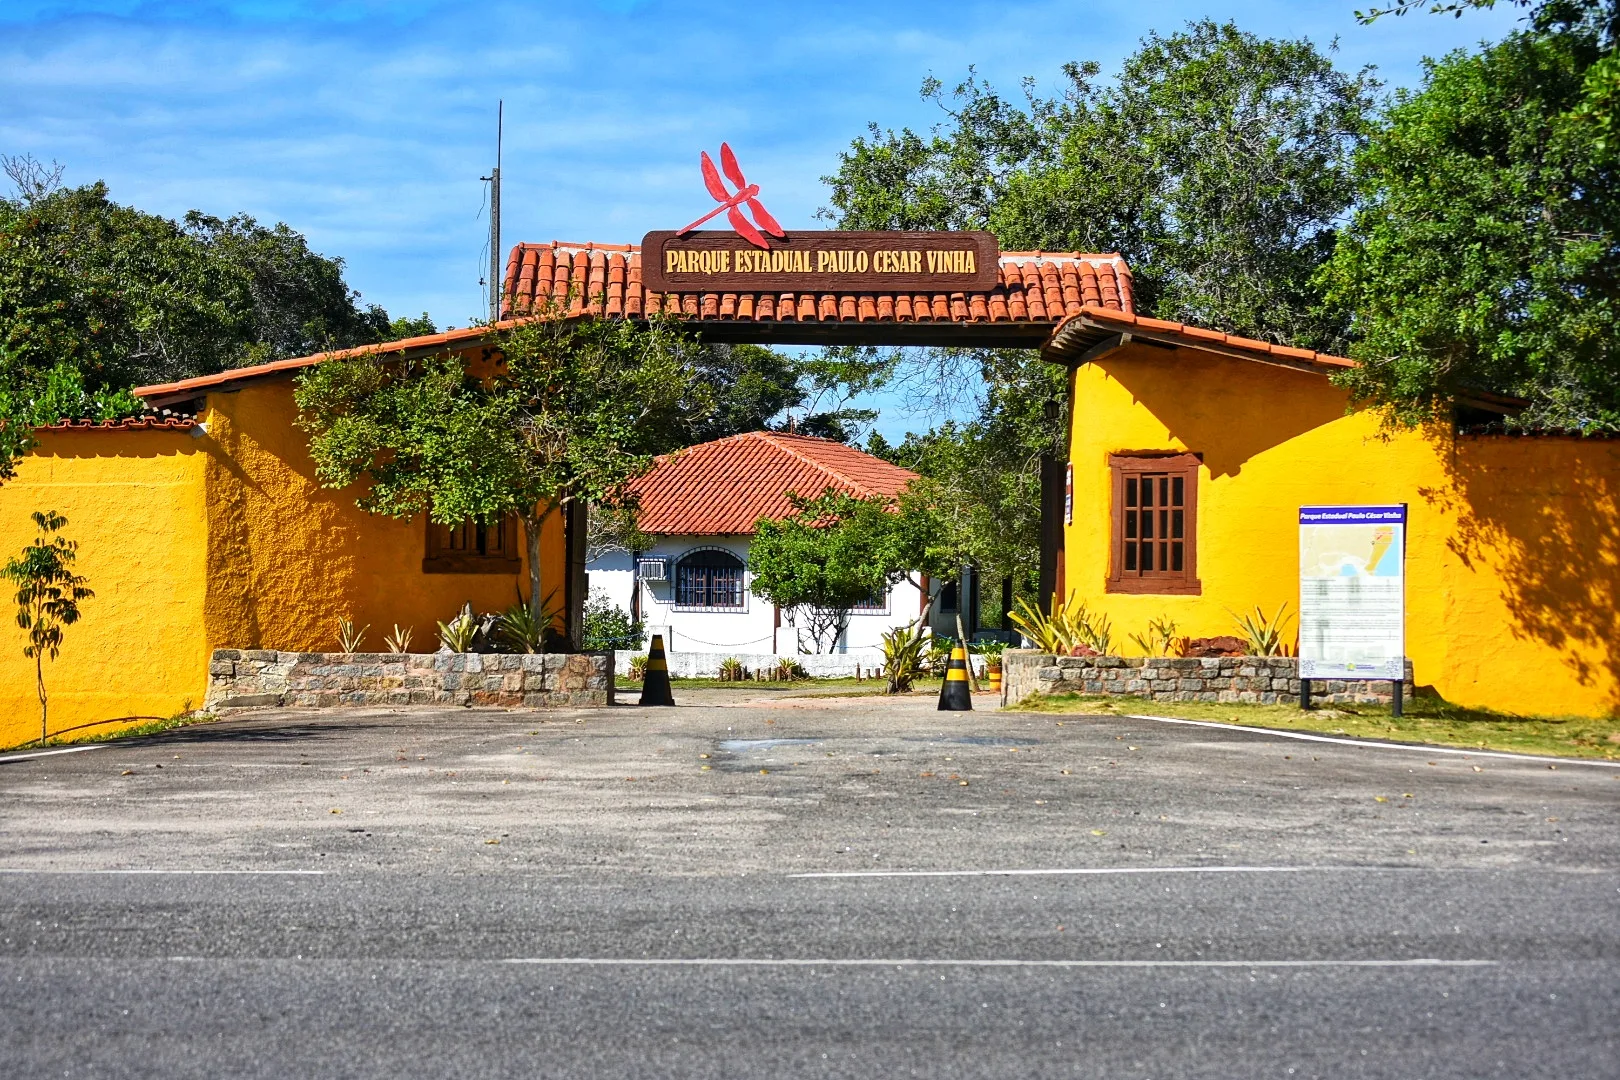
(1091,325)
(1062,280)
(721,488)
(133,423)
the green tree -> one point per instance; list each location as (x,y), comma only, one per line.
(1486,252)
(48,598)
(108,297)
(834,551)
(569,412)
(1217,162)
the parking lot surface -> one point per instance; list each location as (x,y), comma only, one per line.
(764,885)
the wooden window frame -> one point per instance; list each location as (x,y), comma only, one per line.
(442,557)
(1184,582)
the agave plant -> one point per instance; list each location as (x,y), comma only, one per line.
(902,658)
(350,639)
(732,670)
(1160,639)
(638,669)
(522,630)
(399,641)
(459,633)
(1070,626)
(788,671)
(1262,635)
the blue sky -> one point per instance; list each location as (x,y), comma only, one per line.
(366,124)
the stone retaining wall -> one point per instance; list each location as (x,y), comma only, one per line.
(240,678)
(1264,680)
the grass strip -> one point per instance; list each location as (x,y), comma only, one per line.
(1427,721)
(148,727)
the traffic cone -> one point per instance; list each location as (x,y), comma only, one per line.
(655,684)
(956,693)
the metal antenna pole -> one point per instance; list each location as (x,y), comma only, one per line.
(496,270)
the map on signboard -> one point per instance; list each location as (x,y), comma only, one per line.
(1350,551)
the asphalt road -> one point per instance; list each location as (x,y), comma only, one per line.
(793,887)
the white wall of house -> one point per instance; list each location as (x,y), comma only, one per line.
(753,628)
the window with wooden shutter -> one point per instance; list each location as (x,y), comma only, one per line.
(1155,524)
(472,547)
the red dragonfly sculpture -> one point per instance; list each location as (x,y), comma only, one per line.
(731,201)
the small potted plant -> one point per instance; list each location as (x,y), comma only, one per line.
(991,651)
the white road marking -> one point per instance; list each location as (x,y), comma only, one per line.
(1376,745)
(1094,870)
(48,753)
(268,873)
(595,961)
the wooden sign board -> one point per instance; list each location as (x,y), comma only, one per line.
(821,262)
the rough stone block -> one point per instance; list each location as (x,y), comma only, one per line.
(227,654)
(249,701)
(259,654)
(472,662)
(512,680)
(1268,698)
(1190,684)
(222,667)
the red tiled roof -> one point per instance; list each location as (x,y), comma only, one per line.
(424,344)
(133,423)
(1094,326)
(721,488)
(605,279)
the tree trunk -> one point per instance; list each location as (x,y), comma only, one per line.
(532,523)
(39,681)
(962,636)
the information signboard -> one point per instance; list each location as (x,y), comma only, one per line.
(1352,592)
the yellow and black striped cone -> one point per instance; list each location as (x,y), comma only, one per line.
(655,684)
(956,693)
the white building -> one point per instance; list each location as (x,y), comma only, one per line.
(692,584)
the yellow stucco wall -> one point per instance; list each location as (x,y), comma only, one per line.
(1513,545)
(287,557)
(134,501)
(218,538)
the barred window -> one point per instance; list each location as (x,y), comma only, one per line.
(1155,519)
(875,602)
(709,579)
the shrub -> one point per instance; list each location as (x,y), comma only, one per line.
(638,669)
(608,626)
(732,670)
(991,651)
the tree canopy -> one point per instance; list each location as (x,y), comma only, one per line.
(834,551)
(565,411)
(129,298)
(1217,162)
(1485,254)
